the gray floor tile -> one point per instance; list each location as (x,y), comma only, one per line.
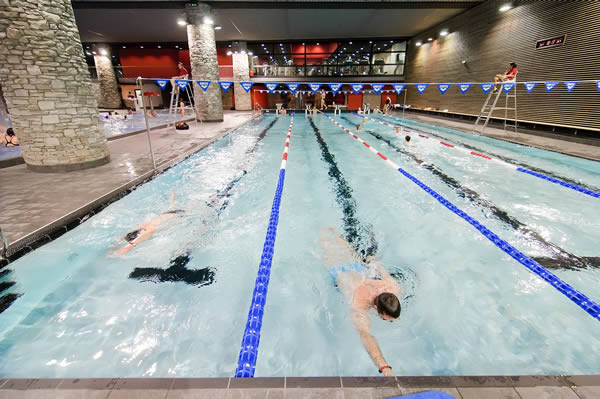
(197,393)
(488,393)
(82,394)
(33,394)
(546,393)
(310,393)
(138,394)
(358,393)
(587,392)
(450,391)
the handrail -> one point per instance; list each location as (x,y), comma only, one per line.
(4,244)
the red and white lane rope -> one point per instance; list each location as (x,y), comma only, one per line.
(445,144)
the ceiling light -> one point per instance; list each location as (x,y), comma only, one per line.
(370,41)
(93,52)
(218,27)
(158,46)
(243,51)
(176,46)
(141,46)
(350,42)
(229,45)
(430,39)
(124,46)
(505,7)
(181,22)
(103,51)
(229,53)
(418,43)
(262,44)
(444,32)
(88,53)
(250,53)
(208,20)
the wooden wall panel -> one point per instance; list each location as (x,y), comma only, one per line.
(488,40)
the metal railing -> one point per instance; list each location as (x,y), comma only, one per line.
(4,244)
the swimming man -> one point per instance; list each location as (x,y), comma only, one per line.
(362,291)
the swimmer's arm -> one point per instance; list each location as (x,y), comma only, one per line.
(361,322)
(385,276)
(148,231)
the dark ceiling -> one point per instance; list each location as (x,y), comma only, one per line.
(155,21)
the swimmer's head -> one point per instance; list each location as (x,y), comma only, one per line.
(407,138)
(388,306)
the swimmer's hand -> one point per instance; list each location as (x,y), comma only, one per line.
(388,373)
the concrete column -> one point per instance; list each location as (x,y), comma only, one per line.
(47,87)
(109,88)
(203,57)
(241,72)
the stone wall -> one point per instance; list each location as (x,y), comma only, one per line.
(109,89)
(47,86)
(96,90)
(241,72)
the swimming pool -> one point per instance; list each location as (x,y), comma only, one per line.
(468,307)
(117,125)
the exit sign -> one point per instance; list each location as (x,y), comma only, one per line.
(555,41)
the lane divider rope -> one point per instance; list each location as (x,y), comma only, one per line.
(251,338)
(580,299)
(575,187)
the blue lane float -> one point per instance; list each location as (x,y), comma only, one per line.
(251,338)
(562,183)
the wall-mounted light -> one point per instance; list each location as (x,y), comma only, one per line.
(505,7)
(218,27)
(444,32)
(419,43)
(250,53)
(208,20)
(229,53)
(181,22)
(430,39)
(103,52)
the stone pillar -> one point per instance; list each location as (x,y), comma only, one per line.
(241,72)
(109,89)
(47,87)
(203,57)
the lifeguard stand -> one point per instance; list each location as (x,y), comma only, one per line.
(487,110)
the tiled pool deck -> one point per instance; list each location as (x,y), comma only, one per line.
(480,387)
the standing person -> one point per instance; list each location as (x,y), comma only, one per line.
(509,74)
(322,103)
(388,105)
(361,291)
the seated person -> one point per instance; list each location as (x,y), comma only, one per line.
(10,139)
(509,74)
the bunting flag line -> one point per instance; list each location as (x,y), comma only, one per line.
(182,83)
(507,86)
(162,83)
(486,87)
(422,87)
(399,87)
(443,87)
(598,84)
(271,86)
(246,86)
(225,86)
(377,87)
(357,87)
(335,87)
(314,87)
(571,84)
(203,84)
(550,86)
(529,86)
(293,87)
(464,87)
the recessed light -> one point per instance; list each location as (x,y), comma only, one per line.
(444,32)
(158,46)
(229,53)
(430,39)
(418,43)
(218,27)
(181,22)
(124,46)
(141,46)
(370,41)
(350,42)
(88,53)
(93,52)
(505,7)
(250,53)
(208,20)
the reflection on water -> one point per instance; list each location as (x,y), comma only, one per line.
(121,122)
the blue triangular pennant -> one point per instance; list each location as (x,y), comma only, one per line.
(182,83)
(529,86)
(293,87)
(335,87)
(464,87)
(571,84)
(246,86)
(508,86)
(443,87)
(399,87)
(486,87)
(314,87)
(377,87)
(162,83)
(271,86)
(203,84)
(421,87)
(225,86)
(357,87)
(550,86)
(598,84)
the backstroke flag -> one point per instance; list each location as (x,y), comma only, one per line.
(293,87)
(377,87)
(225,85)
(443,87)
(508,87)
(203,84)
(335,87)
(529,86)
(246,86)
(399,87)
(464,87)
(271,86)
(486,87)
(550,86)
(598,84)
(570,85)
(162,83)
(314,86)
(422,87)
(357,87)
(182,84)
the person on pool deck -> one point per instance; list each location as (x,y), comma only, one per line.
(388,105)
(361,291)
(10,139)
(144,231)
(509,74)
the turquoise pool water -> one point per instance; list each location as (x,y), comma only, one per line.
(468,308)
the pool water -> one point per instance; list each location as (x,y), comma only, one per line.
(468,308)
(117,125)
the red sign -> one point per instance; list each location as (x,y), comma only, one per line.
(555,41)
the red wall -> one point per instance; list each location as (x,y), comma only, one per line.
(261,98)
(354,101)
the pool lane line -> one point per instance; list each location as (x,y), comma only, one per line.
(581,300)
(518,166)
(251,338)
(355,231)
(562,259)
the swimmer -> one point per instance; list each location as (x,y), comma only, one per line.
(407,140)
(365,119)
(398,129)
(377,110)
(358,127)
(362,292)
(144,231)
